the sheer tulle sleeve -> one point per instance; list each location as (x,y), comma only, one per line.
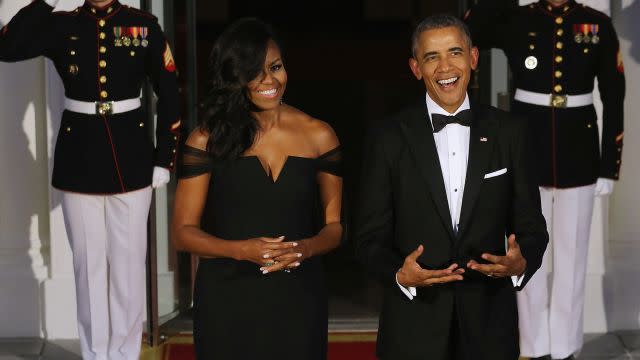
(331,162)
(194,162)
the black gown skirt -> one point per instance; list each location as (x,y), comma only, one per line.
(239,313)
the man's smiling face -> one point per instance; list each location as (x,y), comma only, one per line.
(444,60)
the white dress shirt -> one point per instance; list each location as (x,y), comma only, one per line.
(452,143)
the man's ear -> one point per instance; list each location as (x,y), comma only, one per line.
(475,54)
(415,68)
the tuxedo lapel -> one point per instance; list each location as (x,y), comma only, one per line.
(419,135)
(481,143)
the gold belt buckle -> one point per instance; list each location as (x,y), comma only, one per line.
(559,101)
(104,107)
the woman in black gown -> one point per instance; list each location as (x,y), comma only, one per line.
(254,175)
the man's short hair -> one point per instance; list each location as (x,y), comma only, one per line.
(438,22)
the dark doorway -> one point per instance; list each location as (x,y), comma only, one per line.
(347,63)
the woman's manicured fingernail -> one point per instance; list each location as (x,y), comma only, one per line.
(265,256)
(295,244)
(299,254)
(296,264)
(265,271)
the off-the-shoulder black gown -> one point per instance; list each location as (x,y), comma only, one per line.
(239,313)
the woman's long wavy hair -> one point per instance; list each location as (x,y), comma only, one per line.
(237,57)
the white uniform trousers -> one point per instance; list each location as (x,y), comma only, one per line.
(108,238)
(551,323)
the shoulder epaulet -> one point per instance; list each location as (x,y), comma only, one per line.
(140,12)
(595,12)
(73,12)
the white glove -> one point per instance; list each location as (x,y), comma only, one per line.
(161,177)
(604,187)
(52,3)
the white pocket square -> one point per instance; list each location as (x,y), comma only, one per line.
(495,173)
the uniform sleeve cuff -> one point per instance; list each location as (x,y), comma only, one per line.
(410,292)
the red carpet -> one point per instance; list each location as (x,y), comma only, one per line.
(342,346)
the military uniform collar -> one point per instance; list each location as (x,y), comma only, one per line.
(103,11)
(557,10)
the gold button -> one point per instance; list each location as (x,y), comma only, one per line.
(171,164)
(558,59)
(93,10)
(102,64)
(586,50)
(173,151)
(132,53)
(141,124)
(103,49)
(531,46)
(618,162)
(616,175)
(102,36)
(559,32)
(589,126)
(175,138)
(103,79)
(619,149)
(110,9)
(103,94)
(101,22)
(557,88)
(559,45)
(69,129)
(72,52)
(558,73)
(559,20)
(549,8)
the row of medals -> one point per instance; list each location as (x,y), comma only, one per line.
(584,38)
(127,41)
(531,62)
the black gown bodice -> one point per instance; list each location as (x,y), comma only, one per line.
(233,298)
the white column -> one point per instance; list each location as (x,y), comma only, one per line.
(23,202)
(623,298)
(595,320)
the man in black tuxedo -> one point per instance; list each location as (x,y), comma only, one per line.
(443,184)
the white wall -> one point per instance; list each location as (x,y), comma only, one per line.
(23,201)
(624,261)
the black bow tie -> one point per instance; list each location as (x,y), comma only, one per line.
(440,121)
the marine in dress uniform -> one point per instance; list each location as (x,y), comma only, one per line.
(555,51)
(105,160)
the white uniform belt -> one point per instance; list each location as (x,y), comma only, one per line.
(553,100)
(101,107)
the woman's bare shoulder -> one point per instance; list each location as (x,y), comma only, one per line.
(319,132)
(198,138)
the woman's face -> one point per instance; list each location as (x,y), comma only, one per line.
(265,91)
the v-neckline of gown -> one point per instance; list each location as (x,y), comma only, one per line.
(268,171)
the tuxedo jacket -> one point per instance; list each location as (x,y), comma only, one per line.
(402,204)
